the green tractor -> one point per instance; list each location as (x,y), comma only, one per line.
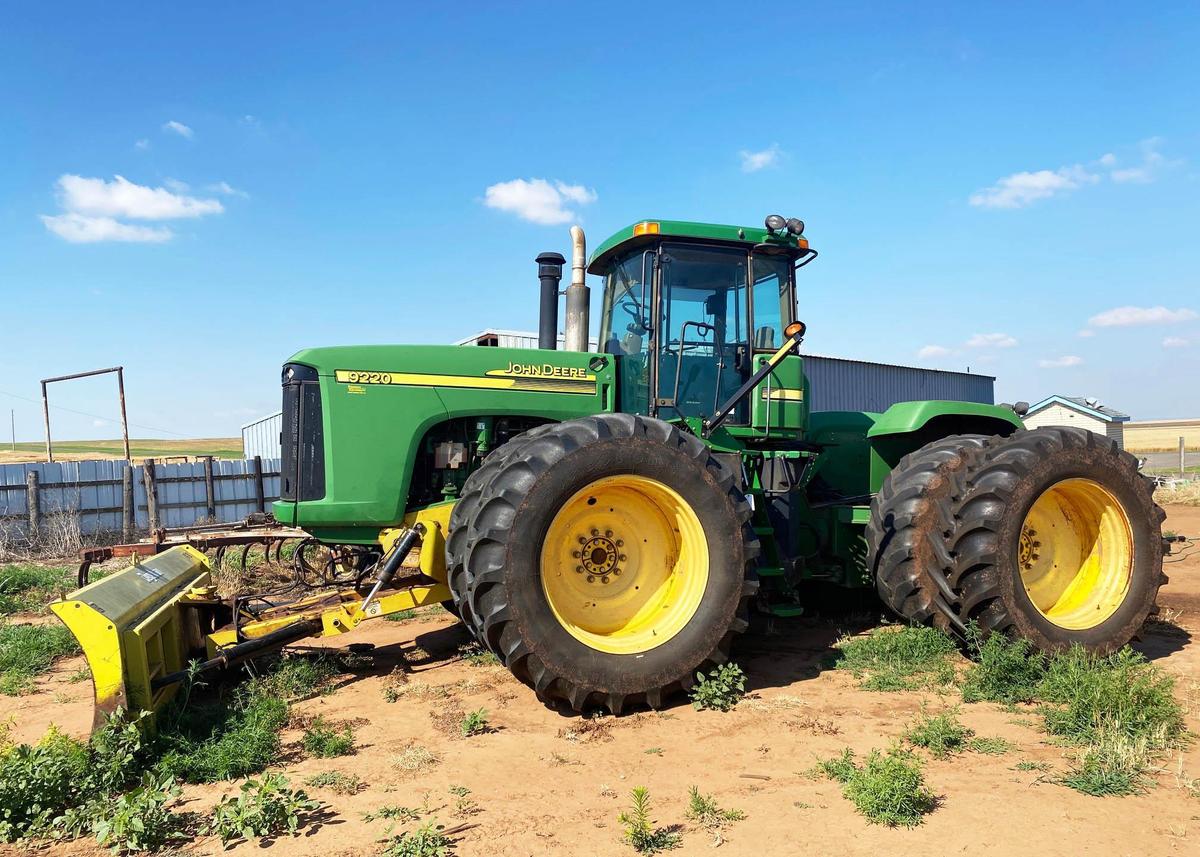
(606,522)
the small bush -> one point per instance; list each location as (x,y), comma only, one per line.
(721,690)
(138,820)
(941,734)
(475,723)
(265,807)
(704,811)
(337,782)
(911,658)
(428,840)
(887,789)
(1005,671)
(640,831)
(27,651)
(477,656)
(298,676)
(325,742)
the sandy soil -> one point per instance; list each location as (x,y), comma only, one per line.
(544,789)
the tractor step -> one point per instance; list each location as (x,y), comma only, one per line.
(764,531)
(770,571)
(786,611)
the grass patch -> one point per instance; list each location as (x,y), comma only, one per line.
(401,615)
(1005,671)
(326,742)
(720,690)
(337,782)
(215,741)
(1030,765)
(299,676)
(886,789)
(415,759)
(942,734)
(266,807)
(990,746)
(28,588)
(27,651)
(428,840)
(1114,764)
(911,658)
(704,811)
(477,656)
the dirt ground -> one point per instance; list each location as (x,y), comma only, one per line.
(543,786)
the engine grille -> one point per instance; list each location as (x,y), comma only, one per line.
(303,441)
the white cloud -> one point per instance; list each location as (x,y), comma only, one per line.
(537,200)
(1152,164)
(99,423)
(142,144)
(83,229)
(178,128)
(1085,333)
(1126,316)
(1025,188)
(929,351)
(176,185)
(1176,342)
(91,208)
(752,162)
(991,340)
(1061,362)
(1107,160)
(123,198)
(227,189)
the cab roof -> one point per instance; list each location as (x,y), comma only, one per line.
(650,230)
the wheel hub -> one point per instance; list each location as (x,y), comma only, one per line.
(599,556)
(1027,551)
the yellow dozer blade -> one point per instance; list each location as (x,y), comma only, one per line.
(132,629)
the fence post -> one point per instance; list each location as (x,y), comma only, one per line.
(151,493)
(1182,459)
(210,493)
(33,504)
(258,484)
(128,513)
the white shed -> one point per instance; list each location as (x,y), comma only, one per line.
(1079,412)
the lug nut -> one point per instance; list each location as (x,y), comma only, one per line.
(620,543)
(582,540)
(616,571)
(595,532)
(608,534)
(623,557)
(591,579)
(604,579)
(579,569)
(575,554)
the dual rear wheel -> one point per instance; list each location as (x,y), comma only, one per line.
(1051,535)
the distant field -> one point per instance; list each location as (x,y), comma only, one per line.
(79,450)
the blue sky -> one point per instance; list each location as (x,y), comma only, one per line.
(1011,187)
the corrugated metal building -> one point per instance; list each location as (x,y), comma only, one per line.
(837,384)
(261,437)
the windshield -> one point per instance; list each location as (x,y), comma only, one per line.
(705,327)
(772,299)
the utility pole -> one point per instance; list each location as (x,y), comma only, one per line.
(12,416)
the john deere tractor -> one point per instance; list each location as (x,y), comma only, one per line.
(607,521)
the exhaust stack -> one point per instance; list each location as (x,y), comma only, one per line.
(550,267)
(579,296)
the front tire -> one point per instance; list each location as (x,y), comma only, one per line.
(607,559)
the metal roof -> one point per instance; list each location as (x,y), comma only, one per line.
(1083,405)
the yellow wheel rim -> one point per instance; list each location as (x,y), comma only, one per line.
(624,564)
(1076,554)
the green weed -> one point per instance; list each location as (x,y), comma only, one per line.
(325,742)
(886,789)
(1113,764)
(138,820)
(941,734)
(720,690)
(428,840)
(401,615)
(298,676)
(464,805)
(265,807)
(1030,765)
(640,831)
(911,658)
(474,723)
(477,656)
(704,811)
(27,651)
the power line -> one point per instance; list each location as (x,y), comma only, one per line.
(94,416)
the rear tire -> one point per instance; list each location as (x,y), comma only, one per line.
(909,520)
(1058,541)
(595,637)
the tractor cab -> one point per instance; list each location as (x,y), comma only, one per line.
(692,310)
